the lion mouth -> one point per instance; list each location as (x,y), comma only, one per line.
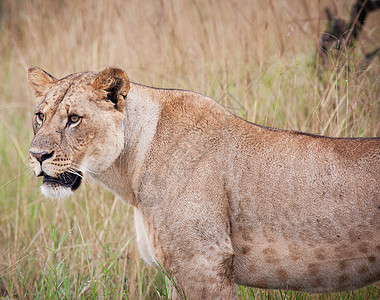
(65,179)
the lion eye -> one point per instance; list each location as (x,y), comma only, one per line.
(73,119)
(40,117)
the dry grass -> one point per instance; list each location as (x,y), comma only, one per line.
(255,57)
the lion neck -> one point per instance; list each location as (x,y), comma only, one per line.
(141,117)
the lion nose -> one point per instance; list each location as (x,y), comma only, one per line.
(41,156)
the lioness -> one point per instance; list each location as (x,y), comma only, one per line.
(218,200)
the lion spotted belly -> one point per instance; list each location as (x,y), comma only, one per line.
(316,266)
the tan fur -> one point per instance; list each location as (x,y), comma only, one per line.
(218,200)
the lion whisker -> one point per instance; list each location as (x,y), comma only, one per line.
(83,169)
(72,171)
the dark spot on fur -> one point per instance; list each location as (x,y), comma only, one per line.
(363,269)
(338,236)
(245,250)
(343,278)
(271,256)
(294,252)
(343,251)
(268,234)
(282,274)
(320,254)
(363,248)
(372,259)
(317,282)
(312,269)
(252,268)
(342,265)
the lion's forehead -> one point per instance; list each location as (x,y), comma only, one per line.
(69,91)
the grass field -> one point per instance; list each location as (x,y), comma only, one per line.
(257,58)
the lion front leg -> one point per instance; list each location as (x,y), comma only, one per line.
(205,276)
(200,262)
(189,236)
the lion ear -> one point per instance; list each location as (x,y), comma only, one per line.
(115,83)
(39,81)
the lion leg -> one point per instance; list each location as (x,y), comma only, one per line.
(201,273)
(205,275)
(191,241)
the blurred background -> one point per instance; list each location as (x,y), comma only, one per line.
(267,61)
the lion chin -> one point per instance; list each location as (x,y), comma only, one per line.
(56,191)
(62,186)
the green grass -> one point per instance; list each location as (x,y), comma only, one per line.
(239,53)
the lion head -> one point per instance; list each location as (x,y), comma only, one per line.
(78,126)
